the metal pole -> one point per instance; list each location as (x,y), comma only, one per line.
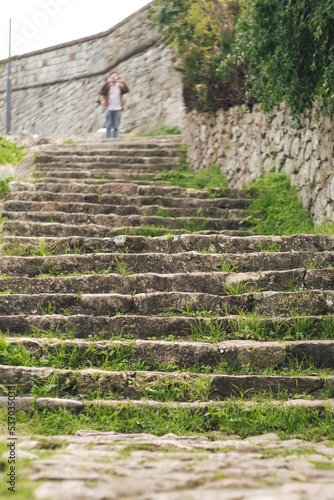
(9,83)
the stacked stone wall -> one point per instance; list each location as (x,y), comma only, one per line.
(56,90)
(246,146)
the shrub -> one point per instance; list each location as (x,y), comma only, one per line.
(10,152)
(202,32)
(288,47)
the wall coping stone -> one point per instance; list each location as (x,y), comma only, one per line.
(102,34)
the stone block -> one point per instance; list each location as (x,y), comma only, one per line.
(295,147)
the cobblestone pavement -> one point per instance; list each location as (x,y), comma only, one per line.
(111,466)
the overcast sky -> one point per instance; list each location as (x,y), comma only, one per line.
(41,23)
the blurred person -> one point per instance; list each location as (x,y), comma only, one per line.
(113,90)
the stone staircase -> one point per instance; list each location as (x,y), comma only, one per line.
(102,263)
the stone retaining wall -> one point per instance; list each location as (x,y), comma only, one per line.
(56,90)
(250,145)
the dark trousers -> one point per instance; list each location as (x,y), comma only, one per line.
(113,120)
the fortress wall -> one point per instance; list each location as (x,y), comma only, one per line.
(55,91)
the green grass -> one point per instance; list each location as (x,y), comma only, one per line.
(210,178)
(267,246)
(21,250)
(162,212)
(24,487)
(152,231)
(117,267)
(252,326)
(232,418)
(193,225)
(122,269)
(236,288)
(276,209)
(227,267)
(10,152)
(4,185)
(162,130)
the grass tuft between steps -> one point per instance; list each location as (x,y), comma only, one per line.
(247,326)
(276,209)
(210,179)
(215,422)
(253,326)
(162,130)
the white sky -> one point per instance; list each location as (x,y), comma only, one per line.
(37,24)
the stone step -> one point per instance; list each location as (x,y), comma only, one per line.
(216,283)
(101,208)
(140,304)
(112,220)
(41,229)
(95,173)
(205,243)
(176,327)
(122,199)
(58,160)
(126,141)
(313,303)
(139,179)
(141,384)
(133,189)
(117,151)
(236,354)
(103,167)
(29,404)
(148,149)
(161,263)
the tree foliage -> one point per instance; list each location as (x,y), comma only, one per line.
(202,31)
(288,46)
(280,50)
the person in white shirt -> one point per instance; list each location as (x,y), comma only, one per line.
(113,90)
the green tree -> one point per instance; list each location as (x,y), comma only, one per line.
(288,46)
(202,32)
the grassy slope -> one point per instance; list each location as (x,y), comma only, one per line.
(276,209)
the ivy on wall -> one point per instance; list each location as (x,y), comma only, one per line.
(288,46)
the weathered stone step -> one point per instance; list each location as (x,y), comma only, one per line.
(112,220)
(167,152)
(102,168)
(133,189)
(83,143)
(29,405)
(151,327)
(314,303)
(101,208)
(206,243)
(213,283)
(94,174)
(141,304)
(106,152)
(108,161)
(256,355)
(42,229)
(163,263)
(139,384)
(88,181)
(122,199)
